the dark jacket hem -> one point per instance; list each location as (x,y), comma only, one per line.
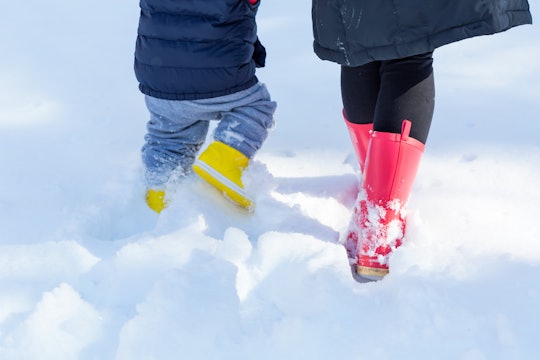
(420,45)
(196,96)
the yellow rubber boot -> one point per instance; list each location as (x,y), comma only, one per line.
(221,166)
(156,200)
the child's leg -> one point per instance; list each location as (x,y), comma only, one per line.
(247,119)
(175,133)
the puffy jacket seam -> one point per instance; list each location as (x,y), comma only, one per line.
(183,14)
(142,63)
(222,39)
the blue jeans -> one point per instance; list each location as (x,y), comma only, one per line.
(177,129)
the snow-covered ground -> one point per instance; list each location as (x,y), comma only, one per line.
(88,272)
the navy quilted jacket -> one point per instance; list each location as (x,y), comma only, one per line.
(196,49)
(355,32)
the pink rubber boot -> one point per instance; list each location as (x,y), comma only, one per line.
(360,135)
(379,218)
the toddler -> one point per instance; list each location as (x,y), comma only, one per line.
(195,62)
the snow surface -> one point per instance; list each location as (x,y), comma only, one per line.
(88,272)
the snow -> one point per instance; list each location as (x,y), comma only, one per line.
(88,272)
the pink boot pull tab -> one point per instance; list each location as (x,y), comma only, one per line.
(405,130)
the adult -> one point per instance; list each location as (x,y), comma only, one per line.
(385,49)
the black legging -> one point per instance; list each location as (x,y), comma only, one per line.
(388,92)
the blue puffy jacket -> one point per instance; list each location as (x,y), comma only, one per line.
(196,49)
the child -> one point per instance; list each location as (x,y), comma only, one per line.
(195,62)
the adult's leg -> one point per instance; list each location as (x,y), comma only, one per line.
(407,92)
(359,92)
(401,125)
